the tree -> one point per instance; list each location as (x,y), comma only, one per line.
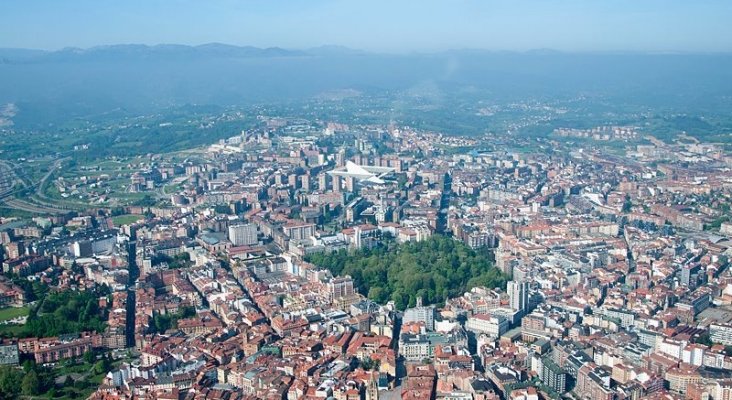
(145,201)
(705,340)
(627,204)
(9,378)
(103,366)
(377,294)
(435,269)
(367,363)
(66,312)
(28,365)
(89,357)
(31,384)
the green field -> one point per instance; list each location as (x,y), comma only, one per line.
(126,219)
(13,312)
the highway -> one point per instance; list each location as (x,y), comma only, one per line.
(10,180)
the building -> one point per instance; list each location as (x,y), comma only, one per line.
(82,248)
(415,344)
(491,325)
(341,292)
(14,250)
(422,314)
(49,350)
(503,377)
(553,375)
(722,389)
(361,173)
(419,383)
(298,231)
(625,318)
(10,294)
(518,294)
(415,348)
(340,287)
(679,378)
(721,333)
(593,383)
(243,234)
(9,354)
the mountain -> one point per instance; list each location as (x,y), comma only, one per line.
(128,52)
(9,55)
(332,50)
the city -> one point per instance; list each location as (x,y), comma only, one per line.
(365,200)
(259,269)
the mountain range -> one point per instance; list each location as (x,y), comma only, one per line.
(164,51)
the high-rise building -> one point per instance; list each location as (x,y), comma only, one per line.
(422,314)
(341,287)
(553,375)
(350,184)
(299,231)
(82,248)
(243,234)
(305,182)
(340,158)
(323,182)
(14,250)
(518,294)
(293,181)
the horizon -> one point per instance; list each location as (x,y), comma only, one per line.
(530,51)
(653,26)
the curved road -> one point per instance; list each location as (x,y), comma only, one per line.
(8,171)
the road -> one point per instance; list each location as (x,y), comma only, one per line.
(9,179)
(444,204)
(134,272)
(30,207)
(40,189)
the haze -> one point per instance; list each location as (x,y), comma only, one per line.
(379,25)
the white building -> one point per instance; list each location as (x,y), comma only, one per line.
(518,294)
(299,231)
(243,234)
(721,334)
(362,173)
(693,354)
(422,314)
(491,325)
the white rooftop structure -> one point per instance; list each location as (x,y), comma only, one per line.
(368,173)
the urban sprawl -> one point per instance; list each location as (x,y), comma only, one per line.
(214,277)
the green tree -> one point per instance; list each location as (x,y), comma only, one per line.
(30,385)
(89,357)
(66,312)
(9,378)
(103,366)
(434,269)
(28,366)
(377,294)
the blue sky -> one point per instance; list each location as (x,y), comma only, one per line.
(376,25)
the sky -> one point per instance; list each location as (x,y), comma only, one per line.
(375,25)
